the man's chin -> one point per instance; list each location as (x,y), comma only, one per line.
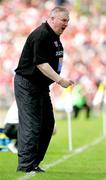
(61,31)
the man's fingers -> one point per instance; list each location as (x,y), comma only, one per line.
(72,82)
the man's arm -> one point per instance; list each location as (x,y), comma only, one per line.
(48,71)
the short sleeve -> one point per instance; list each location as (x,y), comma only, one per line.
(41,52)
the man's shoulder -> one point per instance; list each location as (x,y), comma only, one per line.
(40,32)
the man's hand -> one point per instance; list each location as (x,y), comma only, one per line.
(65,83)
(48,71)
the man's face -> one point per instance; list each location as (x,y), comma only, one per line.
(60,22)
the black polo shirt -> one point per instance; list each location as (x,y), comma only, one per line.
(42,46)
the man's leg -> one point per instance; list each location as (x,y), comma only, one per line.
(28,102)
(47,127)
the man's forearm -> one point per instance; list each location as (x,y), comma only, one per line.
(47,70)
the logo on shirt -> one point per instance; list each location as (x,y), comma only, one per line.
(56,43)
(59,53)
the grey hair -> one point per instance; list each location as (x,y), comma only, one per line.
(57,10)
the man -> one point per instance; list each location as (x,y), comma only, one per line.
(39,66)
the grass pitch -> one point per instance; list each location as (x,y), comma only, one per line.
(88,163)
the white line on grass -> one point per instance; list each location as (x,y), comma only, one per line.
(74,152)
(65,157)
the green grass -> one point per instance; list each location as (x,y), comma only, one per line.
(87,165)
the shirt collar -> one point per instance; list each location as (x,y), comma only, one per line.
(51,30)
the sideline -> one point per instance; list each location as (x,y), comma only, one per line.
(65,157)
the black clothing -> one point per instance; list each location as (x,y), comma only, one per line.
(10,130)
(36,119)
(42,46)
(76,110)
(36,123)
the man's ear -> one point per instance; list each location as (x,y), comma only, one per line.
(52,18)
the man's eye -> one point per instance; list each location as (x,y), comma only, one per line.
(65,20)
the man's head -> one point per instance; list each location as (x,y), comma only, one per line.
(58,19)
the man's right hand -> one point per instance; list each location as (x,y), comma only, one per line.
(65,83)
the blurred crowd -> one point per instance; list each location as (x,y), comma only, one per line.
(84,42)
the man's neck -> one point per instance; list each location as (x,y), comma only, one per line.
(52,26)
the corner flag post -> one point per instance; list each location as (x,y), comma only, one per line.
(68,109)
(69,131)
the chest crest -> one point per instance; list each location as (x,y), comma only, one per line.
(59,49)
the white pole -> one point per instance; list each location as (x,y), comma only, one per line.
(68,109)
(69,131)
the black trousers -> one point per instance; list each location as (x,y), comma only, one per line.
(10,130)
(77,110)
(36,123)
